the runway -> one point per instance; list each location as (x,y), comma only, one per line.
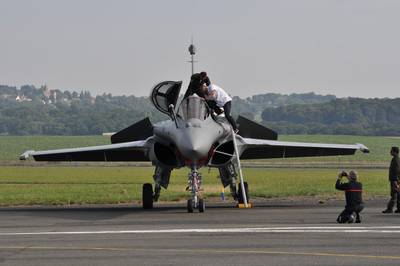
(269,234)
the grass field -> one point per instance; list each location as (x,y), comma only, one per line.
(69,184)
(83,185)
(379,147)
(12,146)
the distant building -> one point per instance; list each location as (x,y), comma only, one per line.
(49,96)
(6,96)
(46,91)
(22,98)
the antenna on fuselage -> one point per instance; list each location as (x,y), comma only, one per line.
(192,51)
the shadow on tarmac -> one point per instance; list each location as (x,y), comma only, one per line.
(107,212)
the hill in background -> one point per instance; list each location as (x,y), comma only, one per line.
(42,111)
(347,116)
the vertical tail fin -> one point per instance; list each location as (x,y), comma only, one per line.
(138,131)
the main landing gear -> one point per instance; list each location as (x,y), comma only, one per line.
(196,200)
(147,196)
(161,179)
(194,186)
(240,196)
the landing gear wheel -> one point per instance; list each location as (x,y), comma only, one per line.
(147,196)
(202,205)
(240,194)
(190,206)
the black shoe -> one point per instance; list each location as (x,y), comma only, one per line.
(397,211)
(387,211)
(358,221)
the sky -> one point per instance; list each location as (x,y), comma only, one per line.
(341,47)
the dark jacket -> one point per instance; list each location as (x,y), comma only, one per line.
(194,86)
(353,192)
(394,169)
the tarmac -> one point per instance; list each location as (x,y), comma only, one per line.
(271,233)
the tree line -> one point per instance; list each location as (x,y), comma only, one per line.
(39,111)
(346,116)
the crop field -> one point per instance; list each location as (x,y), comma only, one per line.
(12,146)
(89,185)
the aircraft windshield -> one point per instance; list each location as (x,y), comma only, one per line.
(193,107)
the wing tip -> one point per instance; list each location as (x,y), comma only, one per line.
(25,155)
(362,148)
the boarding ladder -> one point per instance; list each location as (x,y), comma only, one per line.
(246,204)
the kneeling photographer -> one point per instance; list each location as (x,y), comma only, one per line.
(353,192)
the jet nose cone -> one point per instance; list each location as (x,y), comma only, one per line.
(194,148)
(194,144)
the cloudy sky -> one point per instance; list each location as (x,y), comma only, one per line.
(341,47)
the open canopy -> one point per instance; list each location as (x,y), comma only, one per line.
(165,94)
(193,107)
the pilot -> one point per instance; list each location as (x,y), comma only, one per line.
(353,193)
(221,99)
(394,174)
(204,79)
(194,86)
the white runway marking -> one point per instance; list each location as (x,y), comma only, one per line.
(294,229)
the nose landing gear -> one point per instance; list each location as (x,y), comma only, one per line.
(194,185)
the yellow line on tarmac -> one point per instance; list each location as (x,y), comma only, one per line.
(208,251)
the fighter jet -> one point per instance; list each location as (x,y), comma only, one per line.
(192,137)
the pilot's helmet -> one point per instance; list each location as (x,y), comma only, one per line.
(204,78)
(195,77)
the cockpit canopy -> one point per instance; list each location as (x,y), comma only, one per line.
(193,107)
(165,95)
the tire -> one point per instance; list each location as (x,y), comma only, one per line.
(147,196)
(240,195)
(202,205)
(190,206)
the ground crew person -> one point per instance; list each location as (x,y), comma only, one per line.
(353,193)
(394,173)
(222,100)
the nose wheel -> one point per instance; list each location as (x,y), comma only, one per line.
(190,206)
(196,201)
(201,205)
